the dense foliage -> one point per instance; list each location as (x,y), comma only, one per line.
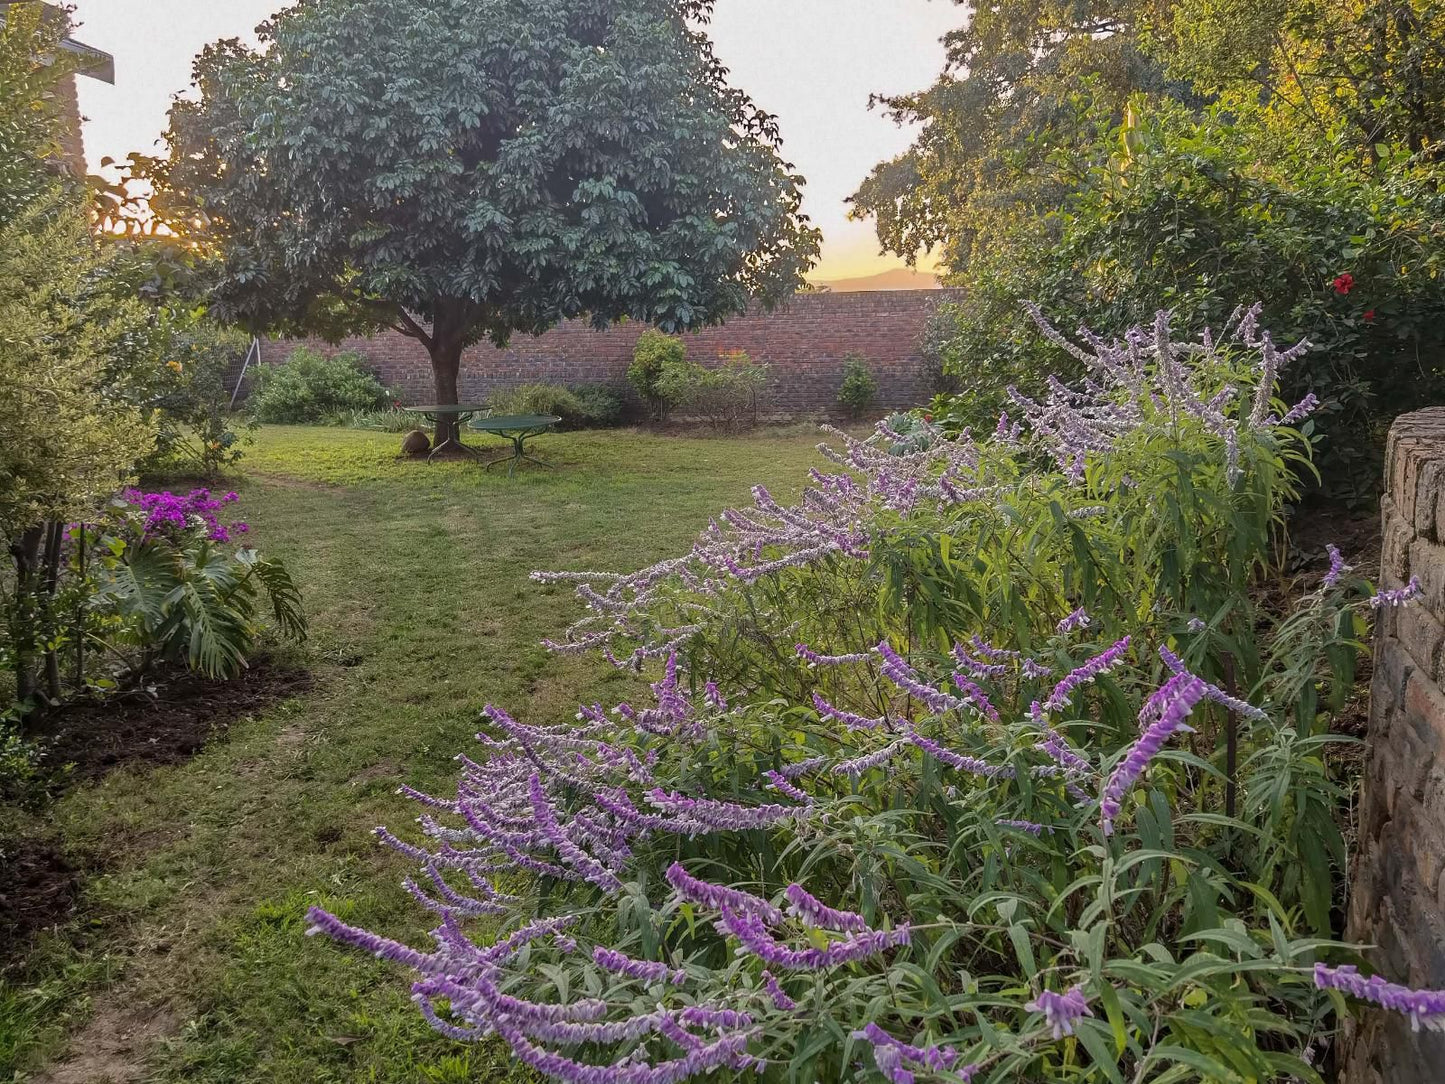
(470,168)
(654,352)
(29,103)
(188,396)
(311,387)
(725,395)
(979,762)
(68,437)
(103,369)
(859,387)
(1101,159)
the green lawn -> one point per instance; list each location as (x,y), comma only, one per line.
(415,579)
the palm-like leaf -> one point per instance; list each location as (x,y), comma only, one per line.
(139,585)
(285,596)
(198,604)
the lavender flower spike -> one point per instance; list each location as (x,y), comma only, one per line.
(643,970)
(816,913)
(859,766)
(382,948)
(849,719)
(1101,663)
(1061,1011)
(1079,619)
(1034,670)
(894,1057)
(781,1001)
(1399,596)
(818,659)
(780,783)
(1337,566)
(755,939)
(896,670)
(1030,827)
(1425,1007)
(959,761)
(1184,693)
(719,897)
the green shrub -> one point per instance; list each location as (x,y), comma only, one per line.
(195,426)
(655,351)
(309,386)
(1185,214)
(726,396)
(543,399)
(859,387)
(602,405)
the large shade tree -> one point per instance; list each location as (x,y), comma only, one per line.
(466,169)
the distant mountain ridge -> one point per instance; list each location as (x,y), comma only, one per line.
(901,278)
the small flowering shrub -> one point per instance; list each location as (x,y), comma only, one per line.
(190,400)
(176,583)
(977,763)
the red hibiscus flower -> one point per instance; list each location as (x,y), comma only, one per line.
(1369,316)
(1344,283)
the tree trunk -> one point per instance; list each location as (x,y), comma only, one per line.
(54,547)
(450,321)
(25,552)
(446,362)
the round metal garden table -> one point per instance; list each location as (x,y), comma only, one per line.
(458,412)
(518,428)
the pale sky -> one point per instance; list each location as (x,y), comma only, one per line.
(811,62)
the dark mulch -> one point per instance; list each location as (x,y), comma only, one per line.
(38,889)
(168,721)
(1355,532)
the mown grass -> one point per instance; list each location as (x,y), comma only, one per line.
(415,578)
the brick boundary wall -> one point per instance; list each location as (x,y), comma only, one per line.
(804,341)
(1397,900)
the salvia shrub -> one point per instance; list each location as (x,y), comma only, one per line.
(309,386)
(978,762)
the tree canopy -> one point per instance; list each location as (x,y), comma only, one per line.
(1027,80)
(472,168)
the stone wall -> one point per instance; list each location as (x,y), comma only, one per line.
(1397,901)
(804,341)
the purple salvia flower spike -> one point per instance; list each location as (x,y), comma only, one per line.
(642,970)
(1399,596)
(1185,695)
(1061,1011)
(1423,1007)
